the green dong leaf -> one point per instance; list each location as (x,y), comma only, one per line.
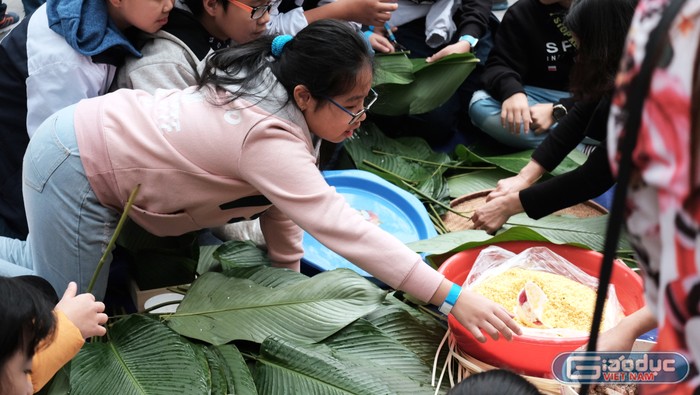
(218,309)
(141,356)
(287,367)
(413,86)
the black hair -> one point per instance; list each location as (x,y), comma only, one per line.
(326,57)
(197,6)
(26,314)
(601,28)
(496,381)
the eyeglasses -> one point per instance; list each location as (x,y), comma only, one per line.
(369,100)
(255,12)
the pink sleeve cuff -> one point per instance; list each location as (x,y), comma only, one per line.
(422,282)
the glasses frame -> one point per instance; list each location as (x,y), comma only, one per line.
(267,7)
(356,116)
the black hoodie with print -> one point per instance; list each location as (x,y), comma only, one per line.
(532,47)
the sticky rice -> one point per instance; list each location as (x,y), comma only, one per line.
(568,304)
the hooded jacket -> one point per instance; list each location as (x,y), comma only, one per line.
(531,47)
(172,57)
(199,166)
(67,50)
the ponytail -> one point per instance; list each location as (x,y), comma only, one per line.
(326,57)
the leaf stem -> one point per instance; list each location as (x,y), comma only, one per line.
(427,197)
(251,356)
(377,167)
(159,305)
(437,220)
(413,188)
(437,164)
(113,240)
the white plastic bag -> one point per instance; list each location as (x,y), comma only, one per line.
(495,260)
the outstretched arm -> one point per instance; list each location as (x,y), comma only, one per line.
(472,19)
(477,313)
(621,337)
(527,176)
(366,12)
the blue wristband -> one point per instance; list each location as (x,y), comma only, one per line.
(451,299)
(366,35)
(470,39)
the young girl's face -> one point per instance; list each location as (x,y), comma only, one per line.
(236,23)
(146,15)
(15,375)
(330,122)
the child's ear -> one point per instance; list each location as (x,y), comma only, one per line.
(210,6)
(302,97)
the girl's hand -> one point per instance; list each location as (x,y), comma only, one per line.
(380,43)
(542,119)
(622,336)
(492,215)
(368,12)
(83,311)
(515,112)
(477,313)
(527,176)
(507,186)
(458,47)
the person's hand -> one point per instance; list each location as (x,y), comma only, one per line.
(492,215)
(617,338)
(515,112)
(542,119)
(458,47)
(367,12)
(477,313)
(622,336)
(380,43)
(527,176)
(507,186)
(83,311)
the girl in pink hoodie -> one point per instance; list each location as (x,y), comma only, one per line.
(241,145)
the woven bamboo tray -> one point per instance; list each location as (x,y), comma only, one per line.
(466,204)
(467,365)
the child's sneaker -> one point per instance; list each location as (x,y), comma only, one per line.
(8,21)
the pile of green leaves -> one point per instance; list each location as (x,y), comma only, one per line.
(244,327)
(414,86)
(436,178)
(408,163)
(256,329)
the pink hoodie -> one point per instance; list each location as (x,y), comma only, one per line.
(201,165)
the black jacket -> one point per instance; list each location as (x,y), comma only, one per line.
(531,47)
(587,181)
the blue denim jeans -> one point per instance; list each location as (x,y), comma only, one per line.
(68,227)
(485,113)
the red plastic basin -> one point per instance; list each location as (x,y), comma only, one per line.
(529,354)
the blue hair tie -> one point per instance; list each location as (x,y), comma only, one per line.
(278,44)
